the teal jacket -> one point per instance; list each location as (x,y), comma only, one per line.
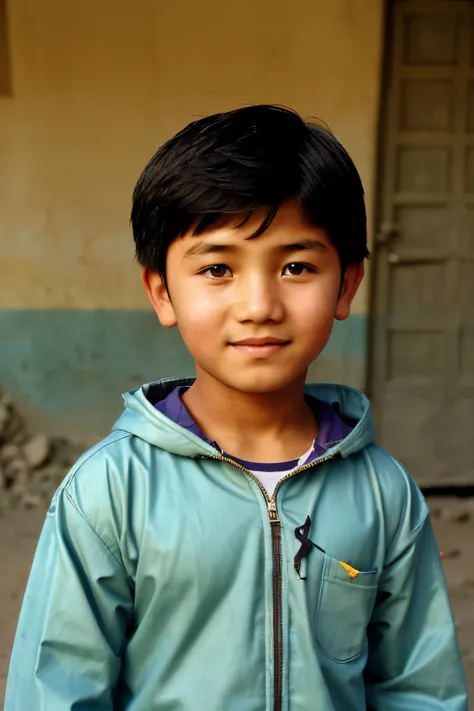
(166,580)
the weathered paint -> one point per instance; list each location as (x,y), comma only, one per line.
(98,86)
(68,368)
(95,88)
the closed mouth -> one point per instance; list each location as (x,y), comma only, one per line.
(256,342)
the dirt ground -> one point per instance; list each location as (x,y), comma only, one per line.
(453,520)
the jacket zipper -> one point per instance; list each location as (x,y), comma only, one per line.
(275,527)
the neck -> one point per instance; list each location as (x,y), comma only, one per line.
(271,426)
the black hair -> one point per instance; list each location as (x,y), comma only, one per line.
(232,164)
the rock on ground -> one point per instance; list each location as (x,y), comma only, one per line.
(32,465)
(36,450)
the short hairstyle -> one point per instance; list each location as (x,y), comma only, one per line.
(231,164)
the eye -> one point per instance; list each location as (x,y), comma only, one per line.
(217,271)
(297,269)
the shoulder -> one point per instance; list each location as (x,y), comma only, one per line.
(400,500)
(396,485)
(95,469)
(106,485)
(94,487)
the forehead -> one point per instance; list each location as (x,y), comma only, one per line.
(289,227)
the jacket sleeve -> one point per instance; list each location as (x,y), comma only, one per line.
(73,623)
(414,662)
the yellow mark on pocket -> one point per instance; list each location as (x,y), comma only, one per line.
(353,573)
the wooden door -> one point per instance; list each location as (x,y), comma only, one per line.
(422,350)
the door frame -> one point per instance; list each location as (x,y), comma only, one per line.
(384,95)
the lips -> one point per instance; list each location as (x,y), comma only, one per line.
(267,341)
(259,348)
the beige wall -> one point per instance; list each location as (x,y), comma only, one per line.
(98,85)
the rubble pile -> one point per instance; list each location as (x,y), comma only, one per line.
(31,465)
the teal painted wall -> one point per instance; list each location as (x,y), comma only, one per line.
(68,368)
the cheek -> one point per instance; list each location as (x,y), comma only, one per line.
(315,305)
(199,313)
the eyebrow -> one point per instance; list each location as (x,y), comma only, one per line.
(204,248)
(306,244)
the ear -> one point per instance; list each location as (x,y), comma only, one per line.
(159,297)
(352,278)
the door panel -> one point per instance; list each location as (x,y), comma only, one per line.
(422,376)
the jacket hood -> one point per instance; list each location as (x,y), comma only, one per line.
(142,419)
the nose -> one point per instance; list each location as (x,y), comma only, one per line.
(258,300)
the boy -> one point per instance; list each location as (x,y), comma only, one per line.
(239,543)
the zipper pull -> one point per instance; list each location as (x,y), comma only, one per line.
(272,511)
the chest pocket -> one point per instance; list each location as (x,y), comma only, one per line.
(344,609)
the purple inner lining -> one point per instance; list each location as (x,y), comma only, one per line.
(331,429)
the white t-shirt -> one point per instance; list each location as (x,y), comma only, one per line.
(270,474)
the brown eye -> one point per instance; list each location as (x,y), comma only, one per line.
(295,269)
(217,271)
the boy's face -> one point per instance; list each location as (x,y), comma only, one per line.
(254,313)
